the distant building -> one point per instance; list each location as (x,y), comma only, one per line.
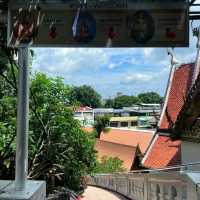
(130,122)
(85,115)
(137,116)
(103,111)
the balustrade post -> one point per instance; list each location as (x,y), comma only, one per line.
(162,192)
(146,188)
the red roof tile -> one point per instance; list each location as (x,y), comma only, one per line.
(163,152)
(180,86)
(123,152)
(83,109)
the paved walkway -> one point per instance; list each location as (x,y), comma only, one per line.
(94,193)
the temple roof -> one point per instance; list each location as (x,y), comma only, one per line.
(178,91)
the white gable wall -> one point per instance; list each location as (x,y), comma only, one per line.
(190,153)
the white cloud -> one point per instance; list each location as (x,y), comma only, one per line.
(64,61)
(137,77)
(112,66)
(111,70)
(148,51)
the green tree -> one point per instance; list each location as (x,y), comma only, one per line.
(125,101)
(109,103)
(86,95)
(101,125)
(58,147)
(150,97)
(109,165)
(60,139)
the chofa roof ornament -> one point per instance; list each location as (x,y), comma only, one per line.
(174,61)
(196,33)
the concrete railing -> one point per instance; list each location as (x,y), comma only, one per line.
(152,186)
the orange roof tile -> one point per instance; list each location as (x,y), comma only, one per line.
(163,152)
(180,86)
(127,137)
(123,152)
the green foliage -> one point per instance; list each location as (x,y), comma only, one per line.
(62,146)
(125,101)
(109,103)
(109,165)
(59,150)
(150,97)
(101,124)
(128,101)
(86,95)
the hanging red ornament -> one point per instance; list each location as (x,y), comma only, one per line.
(111,33)
(52,31)
(170,34)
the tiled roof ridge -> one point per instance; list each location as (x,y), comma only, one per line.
(180,74)
(133,130)
(181,118)
(154,139)
(176,72)
(129,146)
(167,150)
(179,66)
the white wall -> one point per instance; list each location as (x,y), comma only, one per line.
(190,153)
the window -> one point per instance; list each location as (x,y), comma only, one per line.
(124,124)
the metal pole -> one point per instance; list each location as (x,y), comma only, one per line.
(22,121)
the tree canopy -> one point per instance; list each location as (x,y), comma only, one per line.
(150,97)
(86,96)
(101,125)
(128,101)
(125,101)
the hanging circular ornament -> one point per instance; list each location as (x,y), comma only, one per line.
(142,27)
(111,33)
(84,27)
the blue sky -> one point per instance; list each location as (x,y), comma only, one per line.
(111,70)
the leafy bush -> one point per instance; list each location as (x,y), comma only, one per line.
(109,165)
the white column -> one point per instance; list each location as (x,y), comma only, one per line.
(22,121)
(197,62)
(129,124)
